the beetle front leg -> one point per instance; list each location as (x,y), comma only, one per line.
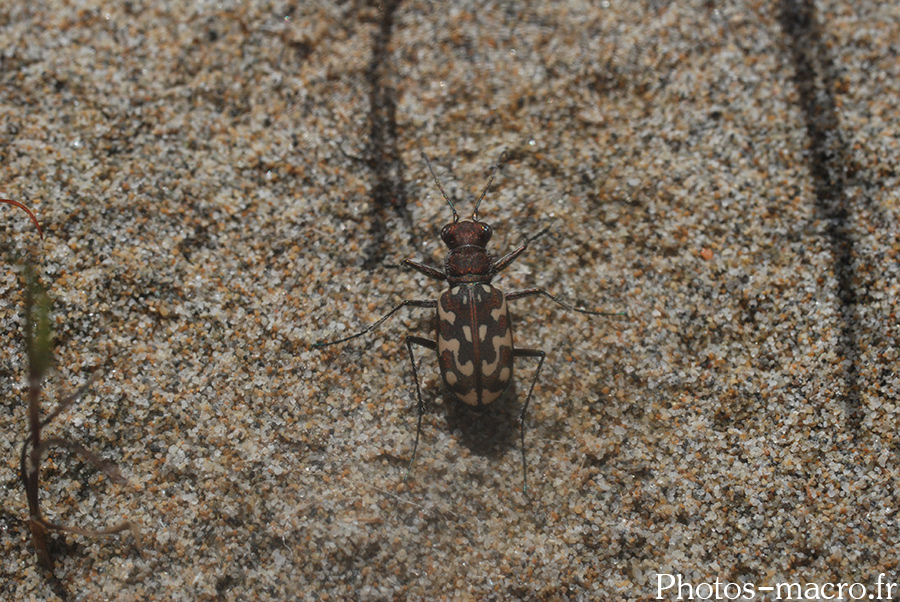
(528,353)
(420,405)
(429,303)
(425,269)
(503,263)
(530,292)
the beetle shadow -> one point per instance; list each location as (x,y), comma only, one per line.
(488,432)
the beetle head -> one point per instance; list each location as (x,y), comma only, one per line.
(466,233)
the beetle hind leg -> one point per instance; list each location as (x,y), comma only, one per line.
(420,405)
(542,356)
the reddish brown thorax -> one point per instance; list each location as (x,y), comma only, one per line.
(468,261)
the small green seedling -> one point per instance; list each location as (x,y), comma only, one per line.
(39,350)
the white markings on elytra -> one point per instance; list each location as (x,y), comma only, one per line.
(447,316)
(498,312)
(470,398)
(490,396)
(498,343)
(467,369)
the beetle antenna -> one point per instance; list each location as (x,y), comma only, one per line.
(490,181)
(441,188)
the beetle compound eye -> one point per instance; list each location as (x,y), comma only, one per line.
(447,235)
(486,233)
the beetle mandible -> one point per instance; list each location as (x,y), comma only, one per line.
(474,331)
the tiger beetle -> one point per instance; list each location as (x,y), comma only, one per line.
(474,331)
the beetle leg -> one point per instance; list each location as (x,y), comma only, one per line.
(528,353)
(530,292)
(425,269)
(420,405)
(503,263)
(428,303)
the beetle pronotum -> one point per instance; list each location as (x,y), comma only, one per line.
(474,331)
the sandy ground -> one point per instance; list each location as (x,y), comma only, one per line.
(223,184)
